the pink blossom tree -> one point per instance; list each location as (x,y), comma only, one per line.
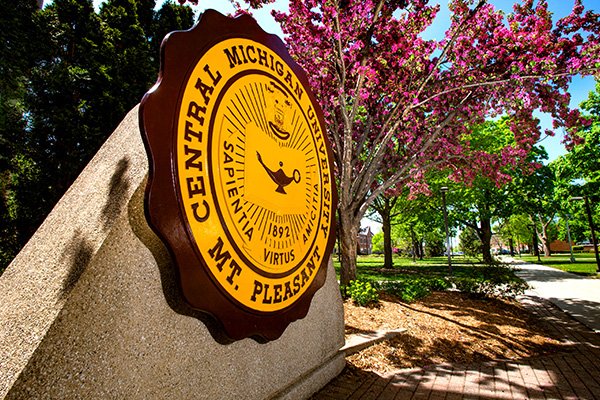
(398,105)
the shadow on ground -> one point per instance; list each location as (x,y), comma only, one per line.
(566,374)
(534,379)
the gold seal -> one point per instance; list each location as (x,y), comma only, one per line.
(253,173)
(240,185)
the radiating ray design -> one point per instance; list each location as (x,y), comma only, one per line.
(246,106)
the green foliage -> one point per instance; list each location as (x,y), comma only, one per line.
(8,239)
(578,172)
(418,224)
(377,242)
(493,281)
(491,136)
(532,191)
(470,243)
(412,281)
(170,17)
(517,227)
(361,292)
(413,288)
(436,243)
(67,77)
(502,190)
(584,159)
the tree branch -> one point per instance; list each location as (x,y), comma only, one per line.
(367,176)
(498,82)
(394,114)
(448,45)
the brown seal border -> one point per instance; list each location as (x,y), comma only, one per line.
(180,51)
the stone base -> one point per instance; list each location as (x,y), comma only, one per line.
(91,308)
(314,380)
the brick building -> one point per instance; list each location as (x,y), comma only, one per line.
(365,245)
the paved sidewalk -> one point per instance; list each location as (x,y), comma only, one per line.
(571,374)
(577,295)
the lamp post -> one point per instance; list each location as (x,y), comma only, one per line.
(591,222)
(572,259)
(536,249)
(444,189)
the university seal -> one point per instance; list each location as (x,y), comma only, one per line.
(241,182)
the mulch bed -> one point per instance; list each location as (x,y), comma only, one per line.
(447,327)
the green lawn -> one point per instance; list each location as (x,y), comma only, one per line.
(371,267)
(585,263)
(411,280)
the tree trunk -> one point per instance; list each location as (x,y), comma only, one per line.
(545,242)
(384,206)
(348,235)
(486,239)
(511,245)
(413,239)
(545,238)
(386,227)
(530,245)
(421,249)
(536,249)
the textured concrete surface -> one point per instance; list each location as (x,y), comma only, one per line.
(360,341)
(91,309)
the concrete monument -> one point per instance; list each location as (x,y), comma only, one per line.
(92,307)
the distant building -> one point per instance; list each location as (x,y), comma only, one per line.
(365,245)
(559,246)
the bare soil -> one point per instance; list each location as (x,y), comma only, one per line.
(446,327)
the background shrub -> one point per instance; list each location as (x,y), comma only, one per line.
(494,281)
(362,293)
(413,288)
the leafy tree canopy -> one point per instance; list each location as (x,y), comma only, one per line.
(67,77)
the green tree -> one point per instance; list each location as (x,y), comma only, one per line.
(516,230)
(532,193)
(62,105)
(485,199)
(168,18)
(470,243)
(129,58)
(20,39)
(566,187)
(68,79)
(584,158)
(578,171)
(377,242)
(419,223)
(435,241)
(476,206)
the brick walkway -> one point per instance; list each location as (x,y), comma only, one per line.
(571,374)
